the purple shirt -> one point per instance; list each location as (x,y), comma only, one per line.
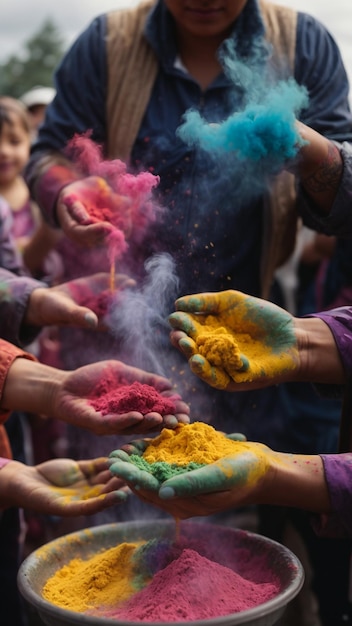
(338,467)
(340,323)
(16,285)
(338,475)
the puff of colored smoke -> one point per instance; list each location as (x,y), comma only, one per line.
(263,132)
(136,210)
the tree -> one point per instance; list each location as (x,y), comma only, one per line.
(42,52)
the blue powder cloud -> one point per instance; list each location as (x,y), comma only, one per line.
(263,132)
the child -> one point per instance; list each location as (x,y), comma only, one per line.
(33,238)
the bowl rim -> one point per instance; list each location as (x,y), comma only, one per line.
(43,606)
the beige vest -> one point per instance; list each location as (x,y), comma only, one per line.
(132,69)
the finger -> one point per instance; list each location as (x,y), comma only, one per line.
(213,376)
(245,365)
(138,446)
(183,321)
(203,480)
(188,347)
(198,303)
(120,455)
(237,437)
(182,418)
(84,317)
(116,423)
(93,467)
(169,421)
(91,505)
(138,479)
(75,209)
(181,407)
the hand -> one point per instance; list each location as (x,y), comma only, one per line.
(72,400)
(84,211)
(61,487)
(71,303)
(37,388)
(253,475)
(229,482)
(235,342)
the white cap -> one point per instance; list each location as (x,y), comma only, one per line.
(38,95)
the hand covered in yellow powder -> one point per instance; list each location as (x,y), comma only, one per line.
(255,474)
(61,487)
(235,342)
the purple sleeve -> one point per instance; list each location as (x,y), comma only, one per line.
(340,323)
(338,475)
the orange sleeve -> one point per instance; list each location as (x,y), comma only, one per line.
(8,353)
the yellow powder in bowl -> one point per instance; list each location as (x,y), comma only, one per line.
(104,579)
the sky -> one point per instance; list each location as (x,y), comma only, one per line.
(20,19)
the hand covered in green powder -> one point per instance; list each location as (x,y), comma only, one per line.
(232,481)
(235,342)
(254,474)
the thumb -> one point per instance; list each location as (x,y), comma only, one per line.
(79,316)
(202,480)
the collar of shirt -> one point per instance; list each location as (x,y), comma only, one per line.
(160,32)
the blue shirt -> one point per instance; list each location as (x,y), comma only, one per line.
(213,234)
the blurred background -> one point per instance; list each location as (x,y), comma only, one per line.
(34,35)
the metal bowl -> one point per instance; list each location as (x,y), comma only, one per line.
(280,565)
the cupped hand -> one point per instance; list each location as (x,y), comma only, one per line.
(236,480)
(76,217)
(234,341)
(75,303)
(61,487)
(72,400)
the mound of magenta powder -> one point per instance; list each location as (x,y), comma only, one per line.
(192,587)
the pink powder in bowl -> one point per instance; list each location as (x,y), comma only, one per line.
(191,588)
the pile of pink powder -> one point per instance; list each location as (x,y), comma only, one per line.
(190,584)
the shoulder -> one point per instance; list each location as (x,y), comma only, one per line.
(126,23)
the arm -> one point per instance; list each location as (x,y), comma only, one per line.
(84,69)
(323,167)
(339,322)
(67,396)
(255,474)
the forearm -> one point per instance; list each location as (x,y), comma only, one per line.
(8,469)
(31,386)
(320,168)
(296,481)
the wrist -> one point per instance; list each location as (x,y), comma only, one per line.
(49,186)
(320,361)
(33,315)
(32,387)
(8,472)
(298,481)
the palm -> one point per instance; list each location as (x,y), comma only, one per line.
(72,401)
(230,482)
(234,339)
(65,487)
